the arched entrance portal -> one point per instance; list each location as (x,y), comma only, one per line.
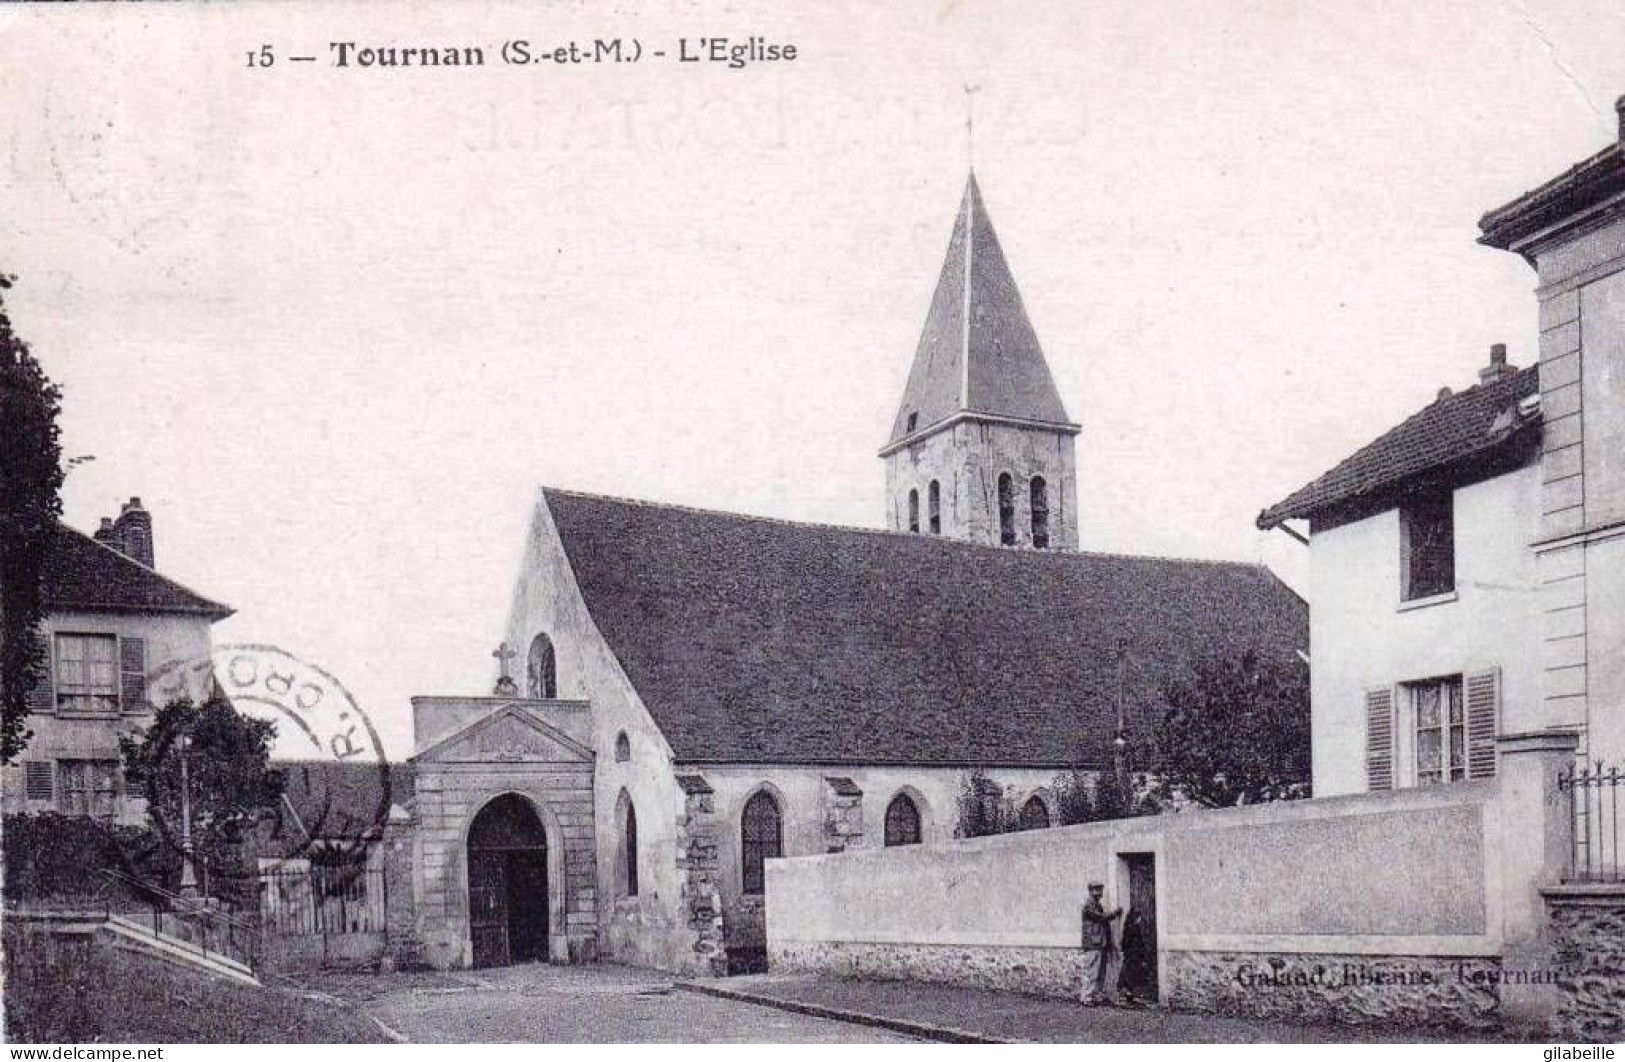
(507,883)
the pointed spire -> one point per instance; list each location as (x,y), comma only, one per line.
(978,352)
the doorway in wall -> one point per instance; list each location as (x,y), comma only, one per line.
(507,883)
(1139,974)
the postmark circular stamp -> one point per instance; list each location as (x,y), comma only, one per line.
(331,795)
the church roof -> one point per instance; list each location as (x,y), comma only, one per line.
(1468,431)
(978,352)
(762,641)
(79,573)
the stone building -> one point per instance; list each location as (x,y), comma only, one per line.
(112,620)
(701,692)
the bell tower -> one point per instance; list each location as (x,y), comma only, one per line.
(982,449)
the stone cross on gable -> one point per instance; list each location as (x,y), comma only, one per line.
(505,687)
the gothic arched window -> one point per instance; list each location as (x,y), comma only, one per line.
(541,669)
(902,821)
(627,819)
(1007,509)
(623,747)
(934,504)
(761,838)
(914,511)
(1040,513)
(1034,815)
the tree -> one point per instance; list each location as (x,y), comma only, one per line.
(983,808)
(30,505)
(225,757)
(1236,733)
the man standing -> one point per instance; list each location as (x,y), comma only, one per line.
(1099,949)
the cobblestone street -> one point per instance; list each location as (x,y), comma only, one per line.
(538,1003)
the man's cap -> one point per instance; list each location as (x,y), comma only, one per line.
(1097,885)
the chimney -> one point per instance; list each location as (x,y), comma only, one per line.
(107,535)
(133,530)
(1497,368)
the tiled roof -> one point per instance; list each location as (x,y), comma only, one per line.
(988,361)
(694,785)
(763,641)
(1458,428)
(83,574)
(336,801)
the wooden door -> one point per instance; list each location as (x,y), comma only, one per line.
(527,905)
(488,906)
(1139,975)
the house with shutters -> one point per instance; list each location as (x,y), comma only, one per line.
(112,620)
(1424,588)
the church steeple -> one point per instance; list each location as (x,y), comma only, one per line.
(978,352)
(981,408)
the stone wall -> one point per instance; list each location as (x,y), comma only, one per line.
(1410,990)
(1587,936)
(1354,989)
(1037,971)
(1371,908)
(699,874)
(400,914)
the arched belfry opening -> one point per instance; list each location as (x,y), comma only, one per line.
(507,883)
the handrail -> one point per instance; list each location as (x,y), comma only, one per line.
(177,900)
(206,919)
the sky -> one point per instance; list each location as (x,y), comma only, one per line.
(336,326)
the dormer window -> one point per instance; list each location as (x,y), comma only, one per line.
(1427,546)
(913,422)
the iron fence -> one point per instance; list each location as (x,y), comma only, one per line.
(322,900)
(1593,795)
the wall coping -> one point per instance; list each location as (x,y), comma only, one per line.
(1586,893)
(436,700)
(1479,794)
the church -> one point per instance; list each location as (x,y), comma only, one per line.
(695,692)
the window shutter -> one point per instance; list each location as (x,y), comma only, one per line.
(38,780)
(41,696)
(1482,690)
(1379,738)
(133,672)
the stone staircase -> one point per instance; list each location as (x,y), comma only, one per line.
(130,932)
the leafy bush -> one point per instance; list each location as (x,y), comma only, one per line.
(1085,796)
(53,857)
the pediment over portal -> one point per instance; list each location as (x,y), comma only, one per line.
(509,734)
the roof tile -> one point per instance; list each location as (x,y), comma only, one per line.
(80,573)
(1459,427)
